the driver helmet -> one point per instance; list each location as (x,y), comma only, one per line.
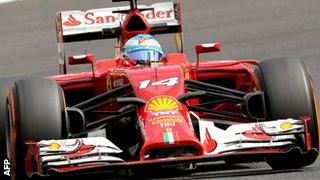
(143,49)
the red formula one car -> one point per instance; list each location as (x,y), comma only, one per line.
(174,113)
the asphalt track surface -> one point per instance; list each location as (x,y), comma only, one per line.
(251,29)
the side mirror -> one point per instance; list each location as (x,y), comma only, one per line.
(206,48)
(81,59)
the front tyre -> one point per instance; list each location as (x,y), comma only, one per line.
(290,94)
(36,112)
(5,84)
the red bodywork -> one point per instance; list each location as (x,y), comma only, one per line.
(112,71)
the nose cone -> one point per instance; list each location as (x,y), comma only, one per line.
(168,131)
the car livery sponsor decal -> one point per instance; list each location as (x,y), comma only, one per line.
(256,133)
(54,146)
(286,125)
(72,21)
(94,20)
(117,82)
(92,17)
(109,84)
(209,144)
(162,103)
(165,118)
(167,122)
(169,137)
(161,11)
(164,113)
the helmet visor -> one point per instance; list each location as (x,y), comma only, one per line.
(145,55)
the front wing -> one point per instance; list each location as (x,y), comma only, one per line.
(95,154)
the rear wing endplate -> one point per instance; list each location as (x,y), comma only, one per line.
(94,24)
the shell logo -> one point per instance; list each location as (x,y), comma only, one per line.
(54,146)
(162,103)
(286,125)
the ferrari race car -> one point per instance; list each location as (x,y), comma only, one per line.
(175,114)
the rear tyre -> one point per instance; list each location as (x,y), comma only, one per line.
(36,112)
(290,94)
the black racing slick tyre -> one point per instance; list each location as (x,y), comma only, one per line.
(36,112)
(5,84)
(290,94)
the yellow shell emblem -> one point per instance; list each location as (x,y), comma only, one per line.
(286,125)
(54,146)
(162,103)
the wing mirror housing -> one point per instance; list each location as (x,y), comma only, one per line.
(82,59)
(209,47)
(206,48)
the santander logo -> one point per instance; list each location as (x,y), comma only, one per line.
(71,21)
(95,17)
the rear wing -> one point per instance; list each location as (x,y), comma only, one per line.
(94,24)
